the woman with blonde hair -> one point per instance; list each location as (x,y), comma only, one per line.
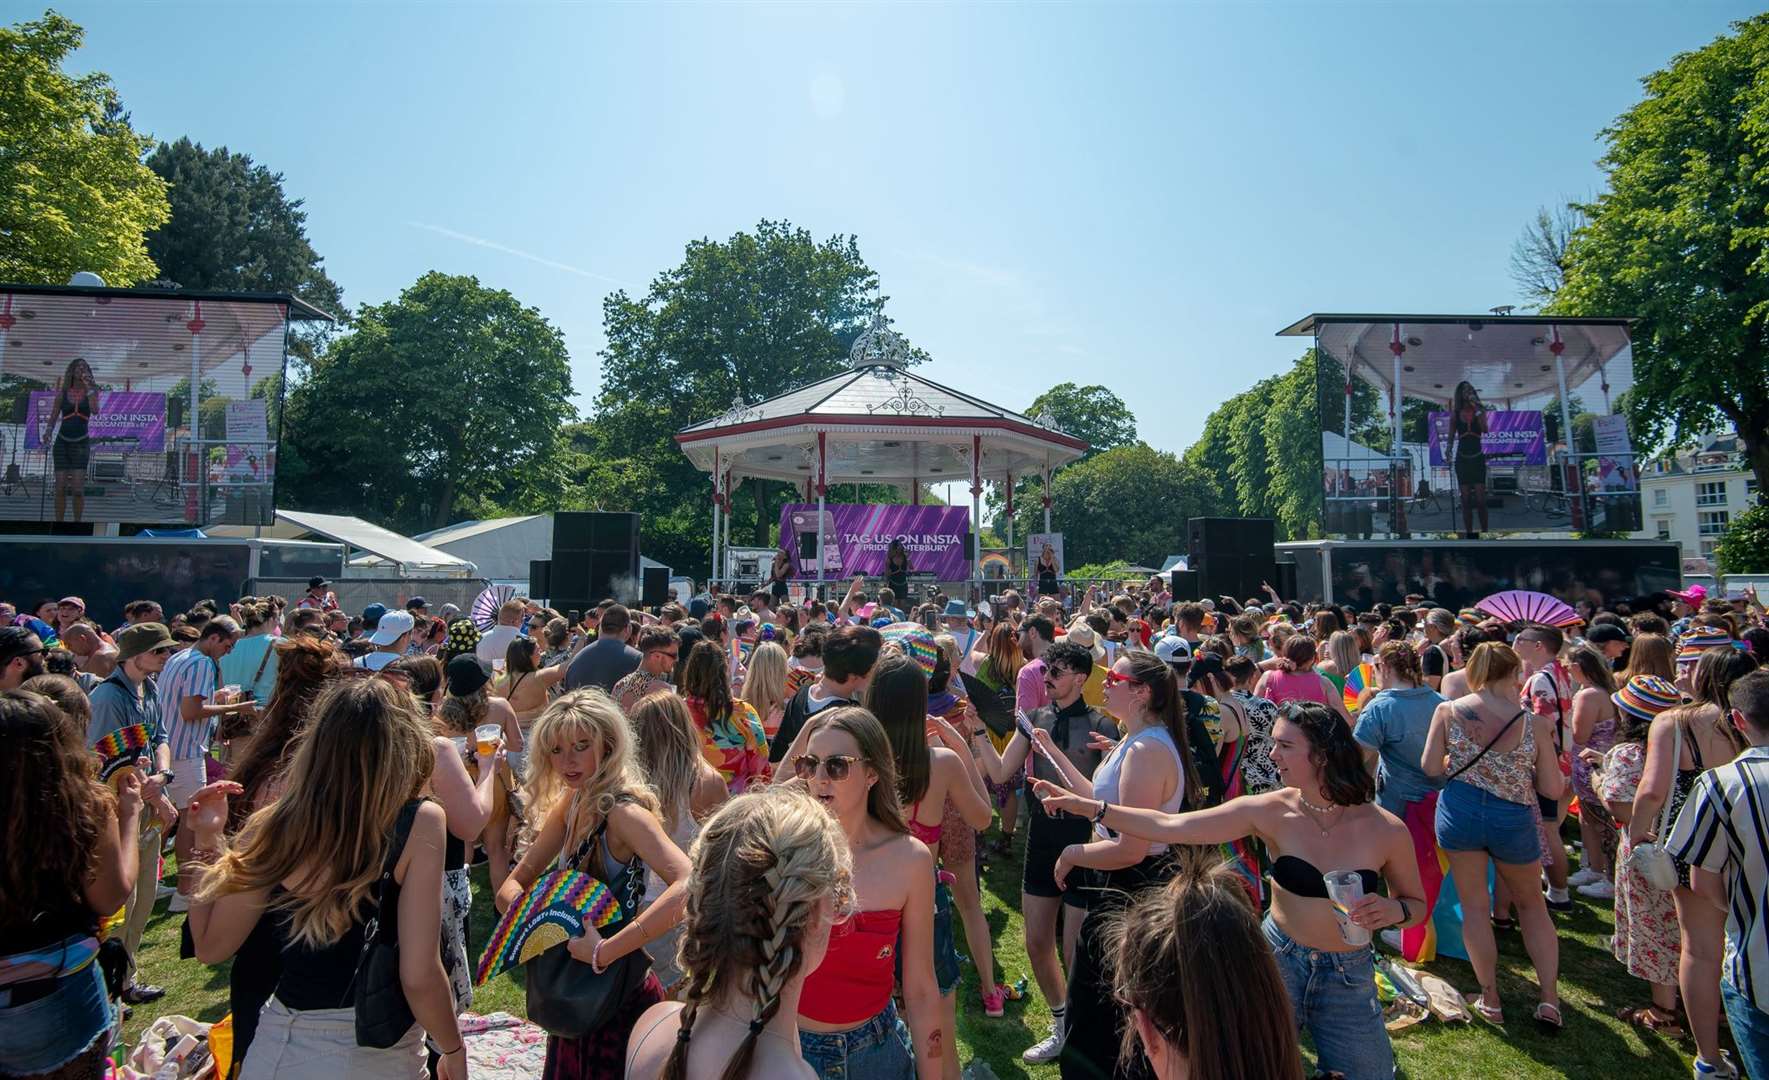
(688,789)
(998,666)
(597,814)
(314,859)
(765,685)
(771,876)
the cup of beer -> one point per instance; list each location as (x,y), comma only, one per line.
(486,736)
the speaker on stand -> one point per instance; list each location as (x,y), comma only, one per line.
(1183,584)
(595,558)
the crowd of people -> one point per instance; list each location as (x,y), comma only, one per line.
(790,804)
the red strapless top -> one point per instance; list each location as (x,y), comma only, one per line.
(853,984)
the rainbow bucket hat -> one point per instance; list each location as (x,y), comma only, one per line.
(1698,640)
(917,644)
(1645,696)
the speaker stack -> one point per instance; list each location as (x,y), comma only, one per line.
(1233,556)
(595,558)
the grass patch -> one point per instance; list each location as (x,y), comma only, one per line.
(1592,987)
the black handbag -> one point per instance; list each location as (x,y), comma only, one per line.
(565,996)
(383,1016)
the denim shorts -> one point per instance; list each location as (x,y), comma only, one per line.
(1471,819)
(876,1050)
(50,1031)
(1334,995)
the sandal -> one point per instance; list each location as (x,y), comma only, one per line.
(1492,1014)
(1548,1018)
(1651,1019)
(1504,924)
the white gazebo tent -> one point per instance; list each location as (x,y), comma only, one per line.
(876,423)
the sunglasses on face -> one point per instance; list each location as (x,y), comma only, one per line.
(164,650)
(1115,679)
(835,766)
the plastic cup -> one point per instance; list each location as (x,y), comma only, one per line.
(461,744)
(486,738)
(1345,888)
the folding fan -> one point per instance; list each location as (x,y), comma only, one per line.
(555,909)
(1521,605)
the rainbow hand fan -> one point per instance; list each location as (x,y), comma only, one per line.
(1358,680)
(121,747)
(554,910)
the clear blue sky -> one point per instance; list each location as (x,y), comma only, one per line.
(1137,196)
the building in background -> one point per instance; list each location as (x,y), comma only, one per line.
(1691,496)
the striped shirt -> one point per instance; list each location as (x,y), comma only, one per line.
(189,673)
(1725,827)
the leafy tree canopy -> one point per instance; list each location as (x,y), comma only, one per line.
(1129,503)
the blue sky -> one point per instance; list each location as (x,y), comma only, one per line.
(1133,195)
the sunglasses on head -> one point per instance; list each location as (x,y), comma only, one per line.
(835,766)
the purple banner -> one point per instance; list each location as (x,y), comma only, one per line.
(857,538)
(1515,436)
(133,421)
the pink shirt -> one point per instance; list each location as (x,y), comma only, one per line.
(1029,691)
(1282,686)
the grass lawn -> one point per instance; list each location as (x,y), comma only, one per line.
(1592,986)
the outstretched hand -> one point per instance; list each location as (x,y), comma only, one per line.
(1059,800)
(207,812)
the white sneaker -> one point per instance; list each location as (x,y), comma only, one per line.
(1586,876)
(1598,890)
(180,902)
(1725,1070)
(161,892)
(1047,1050)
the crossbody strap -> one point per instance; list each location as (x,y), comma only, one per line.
(1489,745)
(1664,812)
(263,662)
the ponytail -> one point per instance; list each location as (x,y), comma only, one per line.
(1167,703)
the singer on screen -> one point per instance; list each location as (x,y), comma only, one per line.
(76,397)
(1468,417)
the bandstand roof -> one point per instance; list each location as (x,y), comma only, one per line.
(881,423)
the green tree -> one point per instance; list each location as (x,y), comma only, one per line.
(1091,413)
(74,194)
(1681,240)
(1129,503)
(740,319)
(1292,438)
(1744,547)
(234,229)
(470,391)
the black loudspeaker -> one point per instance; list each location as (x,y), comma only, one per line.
(1183,584)
(540,578)
(654,586)
(174,412)
(1286,580)
(1233,556)
(595,558)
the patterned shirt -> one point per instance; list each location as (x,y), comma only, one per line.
(189,673)
(1724,829)
(736,746)
(629,690)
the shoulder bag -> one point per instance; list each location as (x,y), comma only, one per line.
(565,995)
(1489,745)
(383,1016)
(1650,860)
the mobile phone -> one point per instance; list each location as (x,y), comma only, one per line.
(573,615)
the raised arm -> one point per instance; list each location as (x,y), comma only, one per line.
(1217,825)
(466,804)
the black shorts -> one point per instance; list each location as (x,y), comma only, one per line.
(1045,840)
(1470,470)
(69,455)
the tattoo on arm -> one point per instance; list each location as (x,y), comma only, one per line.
(934,1048)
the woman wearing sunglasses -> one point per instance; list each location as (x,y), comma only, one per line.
(1324,819)
(848,1024)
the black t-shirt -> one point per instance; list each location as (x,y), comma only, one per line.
(1433,662)
(799,709)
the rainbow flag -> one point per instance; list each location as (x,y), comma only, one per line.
(556,908)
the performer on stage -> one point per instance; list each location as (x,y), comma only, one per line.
(1468,420)
(1047,571)
(779,573)
(897,571)
(76,396)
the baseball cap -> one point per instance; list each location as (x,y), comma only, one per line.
(392,626)
(74,600)
(142,637)
(467,673)
(1174,650)
(1693,596)
(1206,664)
(1607,633)
(371,615)
(416,602)
(318,583)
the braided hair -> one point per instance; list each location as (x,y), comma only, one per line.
(762,868)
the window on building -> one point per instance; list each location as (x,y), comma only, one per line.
(1707,548)
(1711,522)
(1660,496)
(1663,527)
(1711,493)
(1750,487)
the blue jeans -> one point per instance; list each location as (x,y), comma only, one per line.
(1472,819)
(1334,995)
(1750,1030)
(876,1050)
(52,1030)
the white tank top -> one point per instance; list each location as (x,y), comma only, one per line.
(1105,778)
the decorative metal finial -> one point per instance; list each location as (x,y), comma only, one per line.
(739,413)
(1046,420)
(879,346)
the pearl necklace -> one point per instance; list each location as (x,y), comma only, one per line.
(1327,809)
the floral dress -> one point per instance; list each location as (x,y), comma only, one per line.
(1646,938)
(737,746)
(1257,772)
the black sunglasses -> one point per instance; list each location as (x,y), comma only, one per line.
(835,766)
